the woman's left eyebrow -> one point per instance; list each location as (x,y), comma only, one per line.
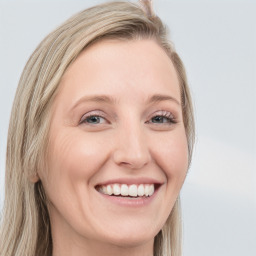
(161,97)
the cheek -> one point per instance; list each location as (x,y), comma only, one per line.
(172,154)
(73,158)
(75,154)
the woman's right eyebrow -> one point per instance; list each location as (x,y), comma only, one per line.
(95,98)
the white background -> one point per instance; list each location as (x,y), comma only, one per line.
(217,42)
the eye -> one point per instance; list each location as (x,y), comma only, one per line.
(93,119)
(162,117)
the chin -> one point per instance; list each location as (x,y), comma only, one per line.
(131,236)
(131,241)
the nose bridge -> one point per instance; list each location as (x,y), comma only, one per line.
(131,146)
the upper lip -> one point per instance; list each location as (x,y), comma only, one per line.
(131,181)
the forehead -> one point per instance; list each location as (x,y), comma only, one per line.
(111,66)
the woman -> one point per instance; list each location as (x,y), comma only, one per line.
(100,140)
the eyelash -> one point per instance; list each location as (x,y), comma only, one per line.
(84,120)
(161,114)
(164,115)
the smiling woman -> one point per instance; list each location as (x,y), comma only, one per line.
(101,144)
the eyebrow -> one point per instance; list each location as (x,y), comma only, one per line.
(159,97)
(110,100)
(95,98)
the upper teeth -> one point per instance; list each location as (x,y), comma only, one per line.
(127,190)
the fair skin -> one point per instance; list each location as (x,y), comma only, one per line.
(116,121)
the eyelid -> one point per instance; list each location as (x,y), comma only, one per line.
(164,113)
(98,113)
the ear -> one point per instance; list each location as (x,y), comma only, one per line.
(34,178)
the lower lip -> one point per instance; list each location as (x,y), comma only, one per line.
(129,201)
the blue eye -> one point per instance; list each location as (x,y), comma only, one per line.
(93,119)
(161,119)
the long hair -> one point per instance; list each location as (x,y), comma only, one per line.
(25,225)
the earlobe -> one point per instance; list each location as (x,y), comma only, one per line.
(34,178)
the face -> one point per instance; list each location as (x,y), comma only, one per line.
(118,151)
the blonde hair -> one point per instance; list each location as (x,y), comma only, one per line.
(25,226)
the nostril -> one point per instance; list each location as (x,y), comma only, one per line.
(133,163)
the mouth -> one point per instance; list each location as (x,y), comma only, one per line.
(132,191)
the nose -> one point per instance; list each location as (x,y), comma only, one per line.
(131,149)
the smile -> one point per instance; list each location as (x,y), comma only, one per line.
(124,190)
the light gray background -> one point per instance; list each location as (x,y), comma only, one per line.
(217,42)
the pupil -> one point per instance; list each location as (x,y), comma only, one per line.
(93,119)
(158,119)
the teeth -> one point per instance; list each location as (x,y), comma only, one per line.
(116,190)
(146,191)
(151,190)
(141,190)
(109,190)
(125,190)
(133,191)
